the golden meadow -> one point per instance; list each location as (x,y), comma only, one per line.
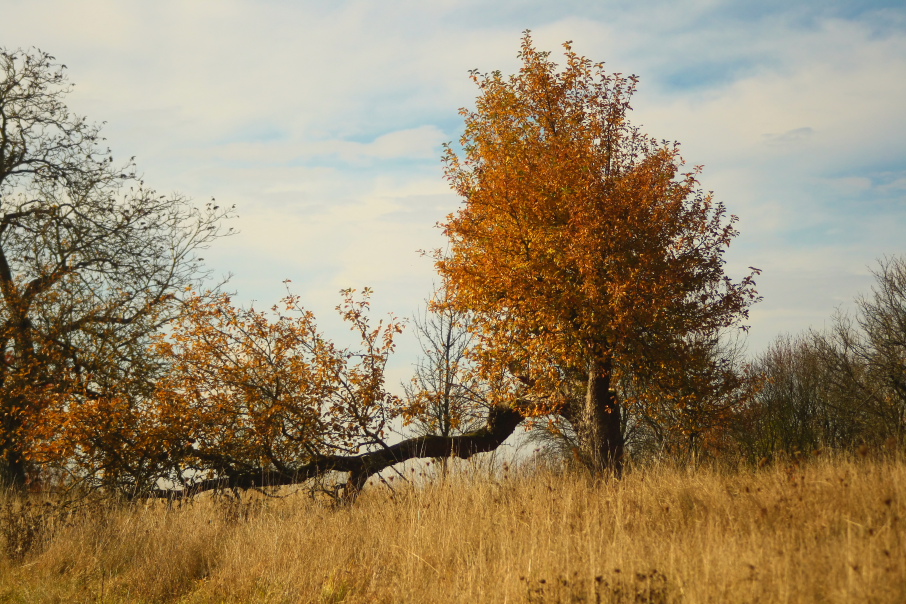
(822,529)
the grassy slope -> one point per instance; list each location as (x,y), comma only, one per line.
(828,531)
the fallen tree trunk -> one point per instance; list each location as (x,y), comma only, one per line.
(501,423)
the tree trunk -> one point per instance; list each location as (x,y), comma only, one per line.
(12,461)
(12,471)
(602,436)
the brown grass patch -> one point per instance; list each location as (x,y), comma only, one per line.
(825,531)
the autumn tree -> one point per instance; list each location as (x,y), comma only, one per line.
(256,399)
(262,390)
(91,263)
(590,260)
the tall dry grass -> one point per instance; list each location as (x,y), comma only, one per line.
(830,530)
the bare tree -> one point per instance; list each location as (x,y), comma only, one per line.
(445,396)
(864,357)
(838,388)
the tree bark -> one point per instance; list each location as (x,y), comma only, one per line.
(602,434)
(12,459)
(12,467)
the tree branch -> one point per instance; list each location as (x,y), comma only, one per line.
(502,422)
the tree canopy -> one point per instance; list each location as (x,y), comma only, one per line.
(590,259)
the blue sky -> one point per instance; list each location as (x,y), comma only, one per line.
(323,123)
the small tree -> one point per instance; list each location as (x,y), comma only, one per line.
(266,391)
(883,319)
(91,263)
(585,253)
(445,396)
(714,384)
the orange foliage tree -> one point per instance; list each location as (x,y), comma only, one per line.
(253,399)
(250,390)
(591,261)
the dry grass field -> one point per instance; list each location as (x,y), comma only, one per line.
(826,530)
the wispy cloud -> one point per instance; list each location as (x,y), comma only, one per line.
(796,135)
